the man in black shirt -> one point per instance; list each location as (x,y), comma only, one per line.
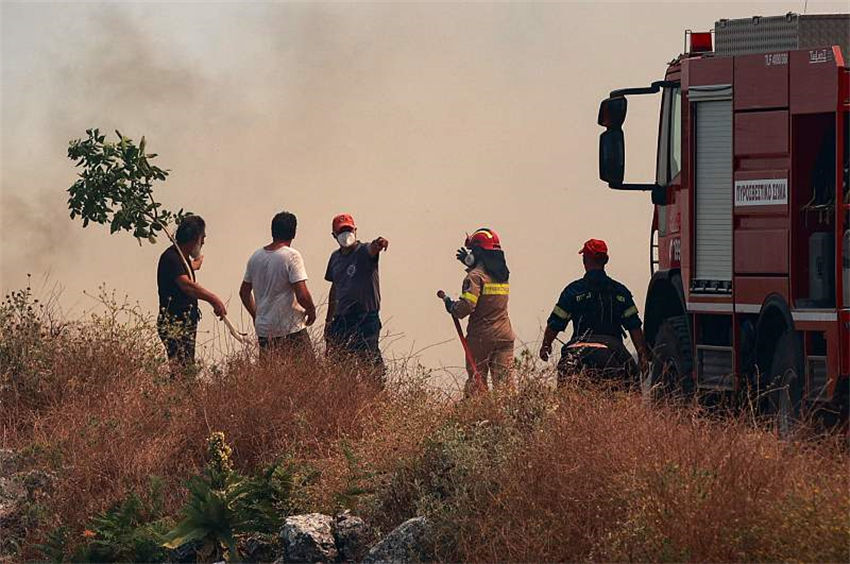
(353,323)
(179,293)
(601,309)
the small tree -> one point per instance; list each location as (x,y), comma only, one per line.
(115,187)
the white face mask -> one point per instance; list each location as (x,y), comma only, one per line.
(346,239)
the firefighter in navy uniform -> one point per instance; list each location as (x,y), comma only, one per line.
(484,299)
(601,309)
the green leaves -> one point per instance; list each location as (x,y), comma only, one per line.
(129,531)
(115,186)
(224,504)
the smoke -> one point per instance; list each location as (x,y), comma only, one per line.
(37,226)
(424,121)
(107,75)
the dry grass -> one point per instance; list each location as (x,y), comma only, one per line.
(95,403)
(607,479)
(589,474)
(528,475)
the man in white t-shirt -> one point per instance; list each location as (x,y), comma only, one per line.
(274,291)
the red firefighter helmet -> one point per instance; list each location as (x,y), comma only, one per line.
(483,238)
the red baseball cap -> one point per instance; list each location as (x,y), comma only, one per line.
(343,220)
(594,248)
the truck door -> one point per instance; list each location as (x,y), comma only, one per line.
(667,234)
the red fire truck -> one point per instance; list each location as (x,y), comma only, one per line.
(750,245)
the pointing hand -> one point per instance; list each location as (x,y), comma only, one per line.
(380,244)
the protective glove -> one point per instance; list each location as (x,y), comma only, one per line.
(449,303)
(545,352)
(461,255)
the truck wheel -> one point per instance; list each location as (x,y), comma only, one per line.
(670,374)
(784,392)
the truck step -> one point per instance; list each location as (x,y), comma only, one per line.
(817,377)
(715,368)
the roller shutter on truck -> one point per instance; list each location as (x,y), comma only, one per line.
(713,188)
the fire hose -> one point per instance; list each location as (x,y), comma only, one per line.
(478,381)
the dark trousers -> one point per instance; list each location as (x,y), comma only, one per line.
(178,334)
(295,345)
(358,335)
(612,362)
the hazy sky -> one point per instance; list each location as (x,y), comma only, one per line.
(422,120)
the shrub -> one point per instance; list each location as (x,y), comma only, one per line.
(224,504)
(592,474)
(532,474)
(25,349)
(130,531)
(105,415)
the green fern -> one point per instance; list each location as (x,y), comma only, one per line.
(125,532)
(53,548)
(224,504)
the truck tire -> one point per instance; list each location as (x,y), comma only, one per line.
(670,374)
(783,395)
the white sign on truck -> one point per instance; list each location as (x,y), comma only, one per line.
(762,192)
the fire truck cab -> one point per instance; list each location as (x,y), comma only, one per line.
(750,241)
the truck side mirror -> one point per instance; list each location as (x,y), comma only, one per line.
(612,145)
(612,157)
(612,112)
(659,195)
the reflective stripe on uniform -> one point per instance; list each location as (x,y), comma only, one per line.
(470,297)
(561,313)
(493,289)
(629,312)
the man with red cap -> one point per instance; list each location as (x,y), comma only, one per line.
(353,323)
(484,299)
(601,309)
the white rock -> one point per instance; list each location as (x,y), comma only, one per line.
(308,538)
(406,543)
(350,534)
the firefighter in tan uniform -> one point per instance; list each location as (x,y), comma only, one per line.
(484,299)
